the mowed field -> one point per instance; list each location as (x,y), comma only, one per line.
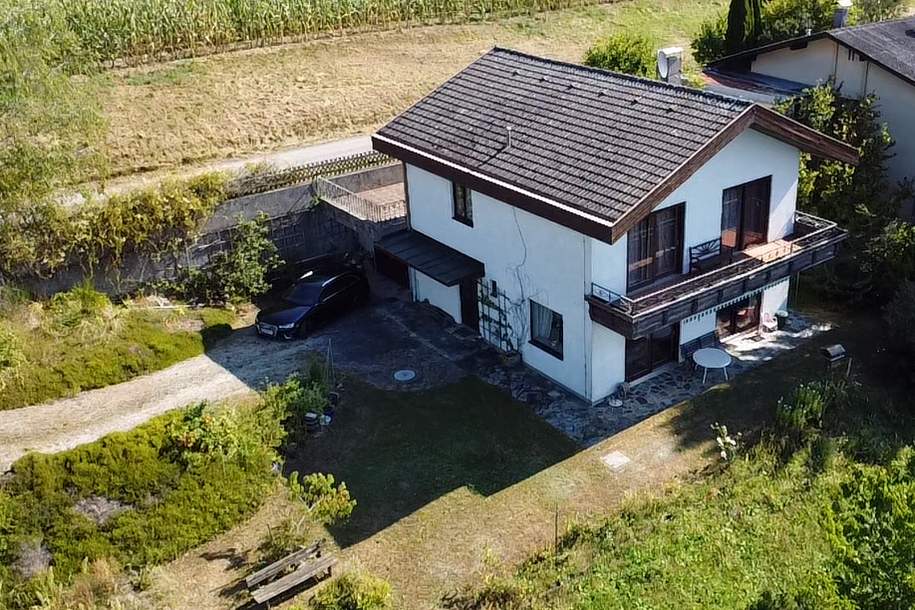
(234,104)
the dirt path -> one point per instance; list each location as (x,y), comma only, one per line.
(233,367)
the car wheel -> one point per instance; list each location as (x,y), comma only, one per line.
(304,329)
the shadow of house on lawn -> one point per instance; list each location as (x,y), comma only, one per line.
(399,451)
(748,403)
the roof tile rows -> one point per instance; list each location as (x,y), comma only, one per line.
(591,139)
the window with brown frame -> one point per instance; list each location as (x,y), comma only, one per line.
(546,329)
(462,204)
(656,247)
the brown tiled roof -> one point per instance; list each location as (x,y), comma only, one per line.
(591,139)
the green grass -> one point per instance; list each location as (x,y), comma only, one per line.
(400,451)
(171,504)
(773,522)
(60,362)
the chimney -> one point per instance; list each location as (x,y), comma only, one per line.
(840,17)
(670,65)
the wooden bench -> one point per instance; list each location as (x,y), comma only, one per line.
(705,256)
(305,564)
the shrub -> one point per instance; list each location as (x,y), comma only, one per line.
(626,53)
(325,502)
(235,275)
(11,356)
(353,592)
(709,43)
(202,434)
(802,415)
(170,505)
(869,11)
(297,396)
(872,525)
(823,453)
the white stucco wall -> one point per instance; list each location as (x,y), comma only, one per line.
(814,63)
(446,298)
(750,156)
(897,107)
(529,257)
(774,299)
(824,59)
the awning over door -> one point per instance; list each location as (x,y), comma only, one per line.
(443,264)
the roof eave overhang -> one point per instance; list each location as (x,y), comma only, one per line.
(538,205)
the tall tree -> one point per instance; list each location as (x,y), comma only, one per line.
(744,24)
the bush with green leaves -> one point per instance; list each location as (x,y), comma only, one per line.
(872,525)
(155,222)
(353,591)
(169,504)
(802,415)
(11,356)
(233,275)
(326,501)
(750,23)
(860,198)
(627,53)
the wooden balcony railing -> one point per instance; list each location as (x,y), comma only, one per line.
(813,242)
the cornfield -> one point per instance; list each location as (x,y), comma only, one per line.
(134,31)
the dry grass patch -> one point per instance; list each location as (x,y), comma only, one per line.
(239,103)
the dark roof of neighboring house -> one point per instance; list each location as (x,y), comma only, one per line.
(590,149)
(890,44)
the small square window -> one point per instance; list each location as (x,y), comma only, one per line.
(546,329)
(462,205)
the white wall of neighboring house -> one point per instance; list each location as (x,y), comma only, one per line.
(824,59)
(529,257)
(446,298)
(814,63)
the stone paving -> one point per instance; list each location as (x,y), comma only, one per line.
(589,424)
(418,336)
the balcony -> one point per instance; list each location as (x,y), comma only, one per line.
(813,242)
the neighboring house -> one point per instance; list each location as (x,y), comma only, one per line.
(596,221)
(876,58)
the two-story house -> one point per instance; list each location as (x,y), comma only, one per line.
(876,58)
(596,221)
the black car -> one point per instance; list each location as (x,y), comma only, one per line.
(315,298)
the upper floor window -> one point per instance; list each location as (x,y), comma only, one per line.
(656,247)
(745,215)
(461,203)
(546,329)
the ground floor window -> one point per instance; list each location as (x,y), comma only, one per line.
(546,329)
(648,353)
(739,317)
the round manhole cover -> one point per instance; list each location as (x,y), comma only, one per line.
(404,375)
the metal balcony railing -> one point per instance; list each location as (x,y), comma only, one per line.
(810,234)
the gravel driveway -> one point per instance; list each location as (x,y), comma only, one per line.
(371,343)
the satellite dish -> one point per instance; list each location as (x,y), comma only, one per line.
(663,65)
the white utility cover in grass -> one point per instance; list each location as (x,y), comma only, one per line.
(615,460)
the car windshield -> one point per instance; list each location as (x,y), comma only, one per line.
(305,293)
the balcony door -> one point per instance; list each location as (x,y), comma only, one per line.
(648,353)
(738,318)
(656,247)
(745,215)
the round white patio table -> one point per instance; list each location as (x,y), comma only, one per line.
(712,358)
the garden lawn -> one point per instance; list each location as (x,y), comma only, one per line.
(234,104)
(63,362)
